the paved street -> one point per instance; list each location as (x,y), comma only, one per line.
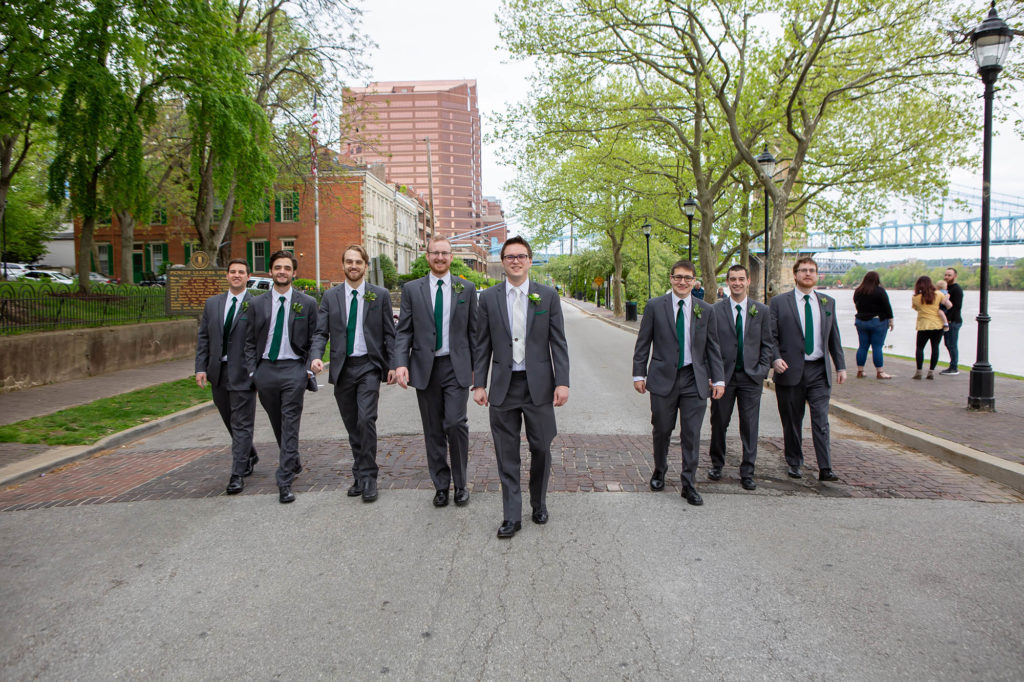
(134,564)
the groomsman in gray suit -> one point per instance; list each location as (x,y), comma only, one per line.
(685,367)
(805,335)
(520,343)
(434,352)
(281,325)
(745,337)
(220,359)
(356,318)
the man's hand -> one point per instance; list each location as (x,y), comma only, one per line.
(717,392)
(640,386)
(480,396)
(561,395)
(841,376)
(402,376)
(780,366)
(317,366)
(201,379)
(391,377)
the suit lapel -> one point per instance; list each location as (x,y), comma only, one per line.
(822,308)
(794,312)
(503,307)
(530,314)
(238,311)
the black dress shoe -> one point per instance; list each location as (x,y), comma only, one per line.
(285,495)
(715,473)
(658,480)
(748,483)
(540,517)
(692,496)
(356,489)
(441,498)
(250,464)
(235,485)
(794,472)
(508,529)
(370,490)
(461,497)
(827,475)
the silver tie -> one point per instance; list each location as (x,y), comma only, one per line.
(518,329)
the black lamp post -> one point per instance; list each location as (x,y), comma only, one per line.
(991,42)
(767,163)
(689,208)
(647,234)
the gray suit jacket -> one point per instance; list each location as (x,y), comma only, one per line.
(301,325)
(378,329)
(547,353)
(416,334)
(658,332)
(757,339)
(788,337)
(211,337)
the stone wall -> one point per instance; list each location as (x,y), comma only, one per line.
(49,357)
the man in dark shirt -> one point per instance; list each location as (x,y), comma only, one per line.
(952,336)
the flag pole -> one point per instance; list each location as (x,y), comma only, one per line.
(316,191)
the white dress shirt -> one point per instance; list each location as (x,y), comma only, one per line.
(815,319)
(227,308)
(524,290)
(286,352)
(359,345)
(446,297)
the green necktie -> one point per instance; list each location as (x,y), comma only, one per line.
(808,326)
(681,333)
(227,327)
(439,315)
(350,330)
(739,337)
(275,343)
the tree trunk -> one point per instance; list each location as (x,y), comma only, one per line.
(127,223)
(617,293)
(85,251)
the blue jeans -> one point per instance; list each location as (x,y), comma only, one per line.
(952,337)
(871,333)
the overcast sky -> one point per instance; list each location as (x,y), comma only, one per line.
(420,40)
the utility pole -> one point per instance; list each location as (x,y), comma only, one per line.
(430,187)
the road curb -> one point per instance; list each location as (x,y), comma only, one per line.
(59,456)
(974,461)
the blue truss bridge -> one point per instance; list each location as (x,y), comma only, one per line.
(955,227)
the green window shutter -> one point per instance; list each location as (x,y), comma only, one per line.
(110,261)
(295,206)
(266,255)
(147,262)
(163,216)
(92,263)
(188,252)
(266,210)
(168,262)
(249,256)
(277,210)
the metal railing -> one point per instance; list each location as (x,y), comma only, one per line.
(46,306)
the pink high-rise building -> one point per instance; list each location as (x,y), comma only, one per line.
(390,123)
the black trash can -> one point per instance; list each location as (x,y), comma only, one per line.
(630,311)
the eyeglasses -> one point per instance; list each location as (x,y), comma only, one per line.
(516,256)
(442,254)
(682,278)
(804,271)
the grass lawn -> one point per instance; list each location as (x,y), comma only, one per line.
(86,424)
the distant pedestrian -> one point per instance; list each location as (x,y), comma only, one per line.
(698,290)
(952,335)
(873,322)
(926,302)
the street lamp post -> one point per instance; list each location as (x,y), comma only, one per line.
(767,163)
(689,208)
(647,234)
(991,42)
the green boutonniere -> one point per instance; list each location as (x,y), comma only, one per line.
(459,287)
(297,307)
(753,311)
(534,298)
(697,311)
(369,296)
(824,307)
(245,306)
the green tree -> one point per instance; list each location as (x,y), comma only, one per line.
(387,267)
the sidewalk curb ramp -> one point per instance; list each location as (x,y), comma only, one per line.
(974,461)
(65,454)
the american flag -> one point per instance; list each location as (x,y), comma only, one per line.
(312,138)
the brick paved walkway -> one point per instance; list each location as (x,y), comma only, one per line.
(582,463)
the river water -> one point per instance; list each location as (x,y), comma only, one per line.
(1005,330)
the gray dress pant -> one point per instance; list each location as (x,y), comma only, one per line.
(813,391)
(445,427)
(506,422)
(281,387)
(238,410)
(357,391)
(745,392)
(683,400)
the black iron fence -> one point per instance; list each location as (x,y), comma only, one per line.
(30,306)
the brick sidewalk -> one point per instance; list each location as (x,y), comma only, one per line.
(582,463)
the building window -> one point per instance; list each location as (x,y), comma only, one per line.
(156,257)
(159,216)
(288,244)
(103,264)
(286,207)
(259,256)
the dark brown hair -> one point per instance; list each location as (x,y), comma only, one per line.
(868,284)
(683,263)
(517,240)
(239,261)
(803,261)
(924,286)
(278,255)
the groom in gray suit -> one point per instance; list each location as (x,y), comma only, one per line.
(220,359)
(805,334)
(356,318)
(745,338)
(281,324)
(520,341)
(686,362)
(434,352)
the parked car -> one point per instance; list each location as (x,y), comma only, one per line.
(259,284)
(48,276)
(98,278)
(14,271)
(151,280)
